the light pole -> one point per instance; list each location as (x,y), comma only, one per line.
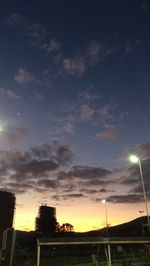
(135,159)
(104,201)
(108,251)
(141,219)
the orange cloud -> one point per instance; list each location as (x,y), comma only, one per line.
(108,134)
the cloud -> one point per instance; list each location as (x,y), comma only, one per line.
(35,31)
(68,127)
(94,53)
(12,135)
(129,198)
(90,108)
(103,190)
(84,173)
(94,50)
(47,183)
(22,76)
(89,191)
(127,181)
(93,191)
(97,182)
(36,167)
(38,162)
(60,153)
(142,150)
(38,96)
(17,187)
(97,51)
(9,94)
(86,113)
(108,134)
(17,20)
(53,45)
(74,66)
(68,196)
(48,167)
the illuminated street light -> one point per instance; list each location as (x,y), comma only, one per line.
(136,159)
(108,251)
(104,201)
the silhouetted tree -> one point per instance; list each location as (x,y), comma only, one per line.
(66,227)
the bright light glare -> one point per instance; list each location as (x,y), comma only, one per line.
(134,159)
(104,201)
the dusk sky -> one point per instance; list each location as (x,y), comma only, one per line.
(74,103)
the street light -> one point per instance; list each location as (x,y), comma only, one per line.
(104,201)
(136,159)
(108,251)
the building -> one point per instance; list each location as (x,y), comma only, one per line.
(7,207)
(46,221)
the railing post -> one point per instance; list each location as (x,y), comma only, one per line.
(109,255)
(38,254)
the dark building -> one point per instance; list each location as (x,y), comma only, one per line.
(46,221)
(7,207)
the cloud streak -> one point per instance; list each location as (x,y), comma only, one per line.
(37,33)
(9,94)
(108,134)
(12,135)
(23,77)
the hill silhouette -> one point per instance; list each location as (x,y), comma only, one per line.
(136,227)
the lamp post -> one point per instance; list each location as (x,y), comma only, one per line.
(141,219)
(108,251)
(104,201)
(135,159)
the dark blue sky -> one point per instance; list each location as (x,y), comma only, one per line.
(73,73)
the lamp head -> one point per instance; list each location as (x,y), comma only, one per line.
(134,159)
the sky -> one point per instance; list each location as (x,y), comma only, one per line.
(74,103)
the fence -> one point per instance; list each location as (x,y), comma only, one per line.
(17,250)
(93,252)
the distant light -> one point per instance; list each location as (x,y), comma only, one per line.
(134,159)
(103,201)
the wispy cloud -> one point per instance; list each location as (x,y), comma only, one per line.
(94,53)
(94,110)
(128,198)
(74,66)
(9,94)
(52,46)
(22,76)
(68,196)
(84,172)
(86,113)
(142,150)
(37,33)
(108,134)
(38,96)
(12,134)
(94,49)
(97,51)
